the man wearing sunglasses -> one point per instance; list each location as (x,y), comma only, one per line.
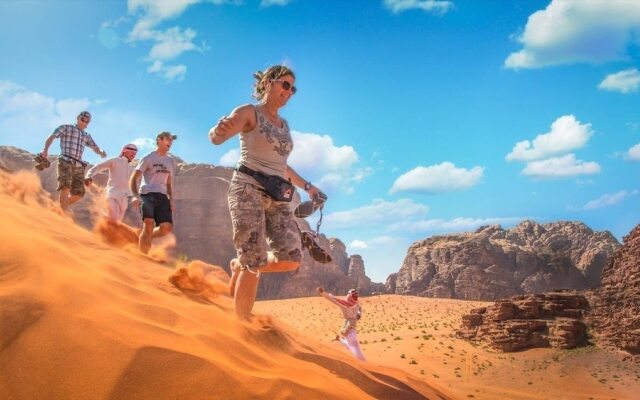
(117,190)
(73,139)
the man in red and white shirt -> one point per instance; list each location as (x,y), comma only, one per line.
(73,139)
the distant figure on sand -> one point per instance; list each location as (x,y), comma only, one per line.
(351,311)
(156,194)
(73,139)
(117,190)
(262,186)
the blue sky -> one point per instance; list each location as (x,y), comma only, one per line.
(416,117)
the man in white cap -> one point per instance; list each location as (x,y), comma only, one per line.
(117,190)
(73,139)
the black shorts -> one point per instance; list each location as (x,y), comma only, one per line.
(156,206)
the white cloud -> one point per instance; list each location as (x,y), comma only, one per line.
(444,177)
(269,3)
(144,144)
(566,134)
(30,116)
(560,167)
(454,225)
(634,152)
(607,200)
(438,7)
(626,81)
(167,44)
(570,31)
(358,244)
(379,212)
(168,72)
(230,158)
(316,158)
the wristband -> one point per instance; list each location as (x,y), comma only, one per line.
(307,186)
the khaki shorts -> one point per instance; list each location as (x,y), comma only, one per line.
(258,222)
(71,175)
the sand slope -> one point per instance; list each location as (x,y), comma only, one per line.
(80,319)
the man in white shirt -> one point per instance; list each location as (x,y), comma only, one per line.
(117,190)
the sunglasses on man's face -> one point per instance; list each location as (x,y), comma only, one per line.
(286,85)
(85,120)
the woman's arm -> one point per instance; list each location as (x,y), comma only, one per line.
(241,119)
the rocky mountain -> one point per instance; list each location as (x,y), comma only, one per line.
(493,263)
(202,227)
(615,316)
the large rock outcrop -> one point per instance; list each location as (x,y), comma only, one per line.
(615,316)
(202,227)
(527,321)
(493,263)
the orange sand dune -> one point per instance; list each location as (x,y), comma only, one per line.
(417,335)
(80,319)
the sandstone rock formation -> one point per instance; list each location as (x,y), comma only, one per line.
(526,321)
(202,227)
(493,263)
(615,316)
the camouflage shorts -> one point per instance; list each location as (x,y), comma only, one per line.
(259,221)
(71,175)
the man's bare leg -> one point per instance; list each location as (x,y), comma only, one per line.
(144,242)
(165,228)
(64,198)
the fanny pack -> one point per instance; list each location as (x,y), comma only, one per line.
(276,187)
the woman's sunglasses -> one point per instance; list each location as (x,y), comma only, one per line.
(286,85)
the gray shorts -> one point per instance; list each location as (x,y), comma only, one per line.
(259,221)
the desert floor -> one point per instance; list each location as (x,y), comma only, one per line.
(417,335)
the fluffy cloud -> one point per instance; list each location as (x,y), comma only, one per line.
(634,152)
(358,244)
(444,177)
(167,44)
(566,134)
(379,212)
(29,116)
(318,159)
(438,7)
(607,200)
(454,225)
(560,167)
(230,158)
(626,81)
(570,31)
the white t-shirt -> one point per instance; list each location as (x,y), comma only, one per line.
(156,170)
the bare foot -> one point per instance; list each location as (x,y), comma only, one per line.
(234,265)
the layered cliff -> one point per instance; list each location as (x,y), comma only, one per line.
(202,227)
(615,316)
(493,263)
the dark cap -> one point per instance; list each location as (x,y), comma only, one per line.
(85,114)
(166,134)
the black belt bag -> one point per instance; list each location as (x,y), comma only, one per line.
(276,187)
